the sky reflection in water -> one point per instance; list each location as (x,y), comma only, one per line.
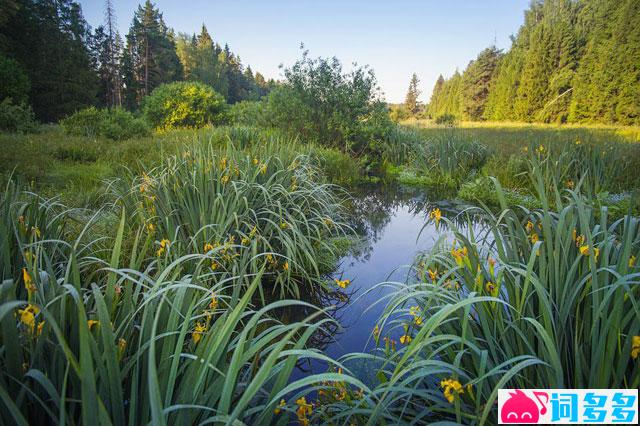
(392,219)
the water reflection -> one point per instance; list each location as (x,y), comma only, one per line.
(393,221)
(375,206)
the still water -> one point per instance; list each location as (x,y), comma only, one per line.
(395,228)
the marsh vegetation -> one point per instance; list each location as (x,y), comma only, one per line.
(198,249)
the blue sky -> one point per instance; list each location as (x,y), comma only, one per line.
(396,38)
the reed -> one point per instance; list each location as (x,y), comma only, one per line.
(532,299)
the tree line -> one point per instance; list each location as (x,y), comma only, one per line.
(571,61)
(52,59)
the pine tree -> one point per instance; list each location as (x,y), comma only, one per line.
(435,103)
(150,57)
(186,46)
(204,60)
(107,55)
(606,81)
(476,83)
(571,61)
(627,45)
(411,103)
(262,86)
(446,96)
(51,40)
(114,57)
(504,86)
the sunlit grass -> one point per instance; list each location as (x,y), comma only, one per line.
(631,133)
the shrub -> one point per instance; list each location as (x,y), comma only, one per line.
(324,105)
(85,122)
(247,113)
(17,117)
(184,104)
(119,124)
(116,124)
(448,120)
(398,113)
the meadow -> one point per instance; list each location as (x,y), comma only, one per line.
(460,160)
(75,167)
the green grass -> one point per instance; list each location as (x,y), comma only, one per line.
(76,167)
(463,159)
(266,199)
(106,320)
(514,133)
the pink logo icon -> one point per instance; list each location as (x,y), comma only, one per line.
(519,408)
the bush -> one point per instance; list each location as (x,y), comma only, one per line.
(448,120)
(85,122)
(398,113)
(119,124)
(324,105)
(184,104)
(116,124)
(247,113)
(17,117)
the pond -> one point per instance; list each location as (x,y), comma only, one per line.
(393,222)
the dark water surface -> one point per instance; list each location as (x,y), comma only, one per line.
(395,228)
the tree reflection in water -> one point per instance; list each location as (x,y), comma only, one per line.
(390,219)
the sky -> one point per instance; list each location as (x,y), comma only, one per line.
(395,38)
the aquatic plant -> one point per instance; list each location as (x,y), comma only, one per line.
(543,298)
(111,337)
(261,207)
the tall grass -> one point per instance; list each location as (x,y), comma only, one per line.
(99,337)
(607,167)
(265,200)
(444,161)
(162,307)
(461,158)
(535,299)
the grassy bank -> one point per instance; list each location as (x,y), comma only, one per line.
(485,129)
(462,160)
(76,167)
(129,311)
